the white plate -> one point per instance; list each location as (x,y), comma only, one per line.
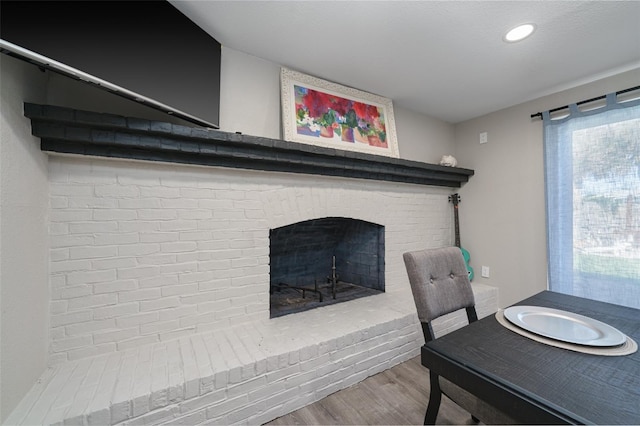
(564,326)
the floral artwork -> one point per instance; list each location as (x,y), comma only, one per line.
(326,114)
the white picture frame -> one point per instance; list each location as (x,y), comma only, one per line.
(321,113)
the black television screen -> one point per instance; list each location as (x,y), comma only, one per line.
(147,51)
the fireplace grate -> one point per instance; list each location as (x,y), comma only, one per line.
(286,299)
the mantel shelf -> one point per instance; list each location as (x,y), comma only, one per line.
(70,131)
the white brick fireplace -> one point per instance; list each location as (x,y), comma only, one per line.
(159,277)
(143,253)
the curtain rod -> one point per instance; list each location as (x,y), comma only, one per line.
(631,89)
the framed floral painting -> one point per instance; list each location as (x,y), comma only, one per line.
(321,113)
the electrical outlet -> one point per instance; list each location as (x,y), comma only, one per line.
(484,137)
(485,272)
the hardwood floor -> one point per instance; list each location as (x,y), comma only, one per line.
(397,396)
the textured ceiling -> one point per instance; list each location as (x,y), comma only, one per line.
(445,59)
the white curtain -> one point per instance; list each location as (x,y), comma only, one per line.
(592,178)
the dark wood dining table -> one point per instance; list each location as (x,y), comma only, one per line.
(536,383)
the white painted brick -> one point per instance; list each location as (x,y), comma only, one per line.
(115,311)
(57,307)
(178,225)
(139,203)
(89,252)
(218,362)
(214,284)
(218,244)
(213,265)
(115,214)
(195,213)
(212,324)
(139,272)
(190,368)
(203,401)
(176,334)
(193,418)
(226,406)
(92,301)
(198,256)
(214,306)
(213,205)
(129,191)
(157,214)
(142,294)
(58,228)
(158,237)
(115,335)
(70,343)
(92,227)
(58,202)
(195,277)
(71,190)
(70,318)
(57,255)
(138,226)
(69,215)
(90,277)
(209,296)
(197,193)
(137,319)
(89,326)
(166,415)
(70,266)
(71,292)
(160,192)
(176,247)
(71,240)
(159,326)
(114,286)
(179,290)
(159,281)
(195,236)
(254,214)
(203,362)
(138,179)
(183,204)
(105,239)
(138,249)
(160,259)
(179,312)
(163,303)
(137,342)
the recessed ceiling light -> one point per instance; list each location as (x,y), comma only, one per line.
(519,33)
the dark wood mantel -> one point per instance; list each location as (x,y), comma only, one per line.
(70,131)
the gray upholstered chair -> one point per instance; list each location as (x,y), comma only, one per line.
(440,284)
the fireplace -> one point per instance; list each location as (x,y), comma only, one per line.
(324,261)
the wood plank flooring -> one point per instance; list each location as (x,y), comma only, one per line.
(397,396)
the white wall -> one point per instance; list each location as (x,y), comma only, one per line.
(24,198)
(250,103)
(502,207)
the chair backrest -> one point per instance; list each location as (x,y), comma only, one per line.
(439,281)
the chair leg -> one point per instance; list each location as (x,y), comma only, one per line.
(475,420)
(434,400)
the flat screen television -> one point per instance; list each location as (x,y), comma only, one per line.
(146,51)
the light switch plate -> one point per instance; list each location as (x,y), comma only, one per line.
(484,137)
(485,272)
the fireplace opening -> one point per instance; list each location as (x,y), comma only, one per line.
(323,261)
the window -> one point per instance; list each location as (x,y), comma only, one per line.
(592,173)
